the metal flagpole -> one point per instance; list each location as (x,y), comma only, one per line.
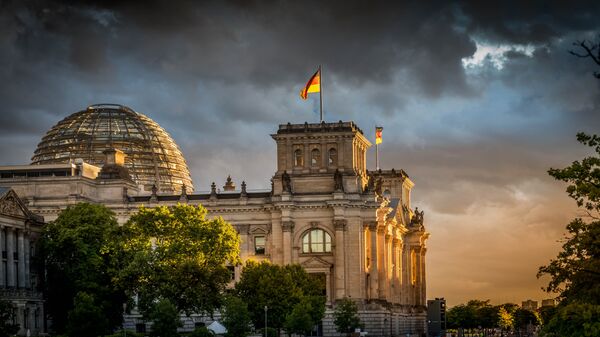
(377,156)
(321,90)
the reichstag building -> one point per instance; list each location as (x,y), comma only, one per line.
(356,229)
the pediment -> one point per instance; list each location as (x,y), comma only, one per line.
(315,262)
(11,205)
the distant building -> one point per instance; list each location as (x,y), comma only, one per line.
(436,317)
(19,229)
(548,303)
(529,305)
(355,229)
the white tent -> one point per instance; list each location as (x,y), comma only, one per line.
(217,328)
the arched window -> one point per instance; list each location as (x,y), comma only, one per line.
(316,241)
(298,158)
(315,157)
(332,160)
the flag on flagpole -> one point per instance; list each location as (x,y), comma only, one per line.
(313,85)
(378,132)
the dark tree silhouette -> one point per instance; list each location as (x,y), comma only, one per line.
(587,49)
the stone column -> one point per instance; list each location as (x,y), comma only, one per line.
(21,254)
(2,249)
(423,278)
(10,260)
(340,258)
(27,267)
(389,267)
(373,269)
(417,287)
(395,263)
(381,261)
(405,274)
(287,227)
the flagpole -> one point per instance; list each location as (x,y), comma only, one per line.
(321,91)
(377,156)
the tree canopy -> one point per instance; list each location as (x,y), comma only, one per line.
(175,253)
(280,288)
(345,316)
(72,249)
(7,314)
(575,272)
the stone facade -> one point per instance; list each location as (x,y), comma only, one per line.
(19,229)
(325,211)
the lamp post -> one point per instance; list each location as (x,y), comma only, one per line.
(266,321)
(124,313)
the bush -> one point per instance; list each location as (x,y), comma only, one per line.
(271,332)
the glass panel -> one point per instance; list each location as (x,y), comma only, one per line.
(298,159)
(316,245)
(332,161)
(315,157)
(327,242)
(306,244)
(259,245)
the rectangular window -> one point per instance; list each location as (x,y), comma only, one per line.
(259,245)
(231,270)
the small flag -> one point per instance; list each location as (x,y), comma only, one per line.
(378,132)
(313,85)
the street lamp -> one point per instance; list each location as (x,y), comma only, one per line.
(266,321)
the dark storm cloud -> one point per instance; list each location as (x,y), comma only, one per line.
(220,75)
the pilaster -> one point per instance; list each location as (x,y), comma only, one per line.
(10,260)
(340,257)
(287,228)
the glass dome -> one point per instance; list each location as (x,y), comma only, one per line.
(151,155)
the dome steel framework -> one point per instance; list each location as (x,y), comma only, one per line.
(152,156)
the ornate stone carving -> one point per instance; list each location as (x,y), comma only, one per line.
(372,225)
(10,206)
(286,182)
(339,181)
(287,226)
(378,187)
(244,193)
(229,184)
(340,225)
(417,219)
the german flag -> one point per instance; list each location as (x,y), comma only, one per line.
(313,85)
(378,132)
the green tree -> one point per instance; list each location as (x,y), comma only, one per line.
(86,319)
(300,321)
(461,316)
(72,250)
(236,317)
(575,272)
(524,318)
(7,316)
(574,320)
(505,319)
(165,319)
(279,288)
(175,253)
(345,316)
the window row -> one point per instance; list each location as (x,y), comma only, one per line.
(314,241)
(315,158)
